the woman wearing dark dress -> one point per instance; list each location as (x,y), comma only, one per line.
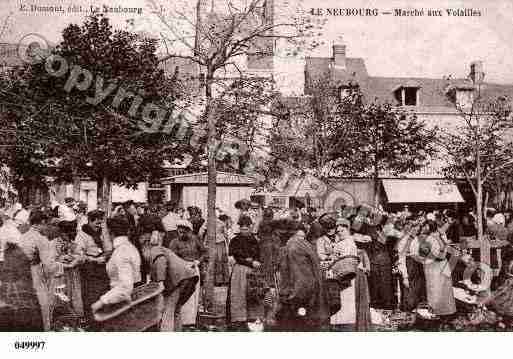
(413,284)
(94,253)
(244,248)
(269,246)
(195,217)
(381,283)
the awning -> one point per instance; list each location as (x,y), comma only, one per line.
(421,191)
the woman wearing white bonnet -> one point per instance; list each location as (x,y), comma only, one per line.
(499,219)
(9,233)
(21,217)
(497,227)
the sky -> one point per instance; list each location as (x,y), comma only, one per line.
(391,46)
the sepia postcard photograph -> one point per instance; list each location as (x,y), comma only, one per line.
(248,166)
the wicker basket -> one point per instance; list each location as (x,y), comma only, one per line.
(344,268)
(143,312)
(69,323)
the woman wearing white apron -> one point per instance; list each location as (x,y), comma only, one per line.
(432,253)
(188,247)
(345,246)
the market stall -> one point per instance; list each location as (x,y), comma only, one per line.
(191,190)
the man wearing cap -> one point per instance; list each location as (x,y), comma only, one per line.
(188,247)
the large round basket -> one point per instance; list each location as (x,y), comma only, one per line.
(344,268)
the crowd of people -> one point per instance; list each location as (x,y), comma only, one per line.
(284,270)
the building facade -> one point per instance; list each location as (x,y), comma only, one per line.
(436,102)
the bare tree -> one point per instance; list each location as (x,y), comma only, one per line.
(6,25)
(480,147)
(222,38)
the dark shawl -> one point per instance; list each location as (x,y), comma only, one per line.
(301,282)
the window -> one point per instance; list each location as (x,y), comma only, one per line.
(410,96)
(407,95)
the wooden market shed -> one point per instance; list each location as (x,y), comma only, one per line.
(191,190)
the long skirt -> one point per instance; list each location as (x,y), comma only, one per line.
(416,292)
(94,283)
(170,318)
(45,289)
(439,289)
(189,311)
(354,313)
(237,306)
(381,285)
(222,275)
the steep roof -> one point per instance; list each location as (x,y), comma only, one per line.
(318,68)
(433,92)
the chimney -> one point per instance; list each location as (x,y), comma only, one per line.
(201,14)
(339,56)
(476,72)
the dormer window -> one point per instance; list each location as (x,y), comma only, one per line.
(407,95)
(461,95)
(410,96)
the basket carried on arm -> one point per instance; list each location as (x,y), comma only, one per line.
(344,268)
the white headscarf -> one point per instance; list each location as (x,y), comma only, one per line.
(66,213)
(15,208)
(499,219)
(22,217)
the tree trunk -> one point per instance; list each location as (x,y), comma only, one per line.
(106,196)
(484,245)
(211,196)
(375,176)
(76,185)
(375,180)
